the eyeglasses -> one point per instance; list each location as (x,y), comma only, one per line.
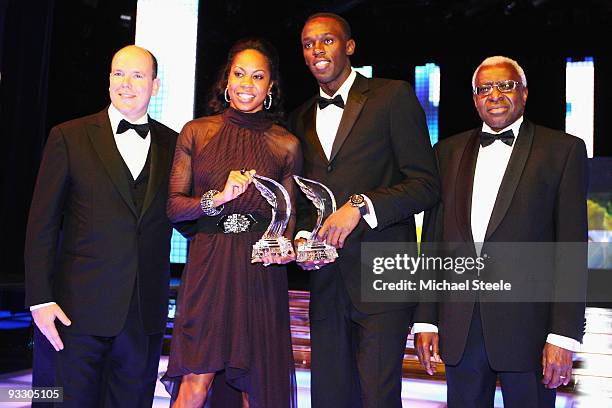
(502,86)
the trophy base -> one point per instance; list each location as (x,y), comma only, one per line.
(316,251)
(280,246)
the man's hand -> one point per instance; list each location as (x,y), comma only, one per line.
(426,345)
(44,318)
(339,225)
(314,265)
(556,366)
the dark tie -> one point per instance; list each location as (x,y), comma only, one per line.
(325,102)
(487,138)
(142,129)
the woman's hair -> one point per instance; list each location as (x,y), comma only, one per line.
(216,100)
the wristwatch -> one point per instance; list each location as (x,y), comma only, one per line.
(358,201)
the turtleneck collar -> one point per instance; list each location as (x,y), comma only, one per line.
(255,121)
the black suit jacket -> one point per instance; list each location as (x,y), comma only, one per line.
(542,198)
(382,149)
(86,244)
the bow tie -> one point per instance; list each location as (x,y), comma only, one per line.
(325,102)
(487,138)
(142,129)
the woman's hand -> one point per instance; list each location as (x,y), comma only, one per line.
(270,259)
(277,259)
(237,183)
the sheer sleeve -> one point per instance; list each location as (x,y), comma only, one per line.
(182,206)
(183,202)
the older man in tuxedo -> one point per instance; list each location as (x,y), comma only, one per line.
(509,180)
(98,241)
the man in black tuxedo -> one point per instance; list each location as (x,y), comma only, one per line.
(98,242)
(507,181)
(367,140)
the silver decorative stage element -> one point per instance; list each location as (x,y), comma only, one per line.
(272,241)
(323,199)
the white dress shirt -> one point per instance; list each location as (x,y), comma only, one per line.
(491,165)
(328,119)
(133,149)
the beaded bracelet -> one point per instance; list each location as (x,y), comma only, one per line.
(206,202)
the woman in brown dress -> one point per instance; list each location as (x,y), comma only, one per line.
(233,315)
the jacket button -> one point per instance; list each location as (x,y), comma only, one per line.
(329,168)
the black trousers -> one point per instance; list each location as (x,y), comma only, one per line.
(357,358)
(118,371)
(471,383)
(43,365)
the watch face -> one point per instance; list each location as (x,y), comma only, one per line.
(357,199)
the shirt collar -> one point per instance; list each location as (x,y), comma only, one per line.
(515,127)
(115,117)
(344,88)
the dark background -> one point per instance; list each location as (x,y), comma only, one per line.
(55,58)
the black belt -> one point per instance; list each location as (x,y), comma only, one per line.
(233,223)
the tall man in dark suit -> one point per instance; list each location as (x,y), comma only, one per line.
(366,139)
(97,243)
(507,181)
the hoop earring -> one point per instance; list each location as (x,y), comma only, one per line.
(269,104)
(226,95)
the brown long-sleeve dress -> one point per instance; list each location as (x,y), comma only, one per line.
(232,315)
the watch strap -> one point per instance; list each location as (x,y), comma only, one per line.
(363,210)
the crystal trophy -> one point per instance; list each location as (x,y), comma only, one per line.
(272,241)
(315,250)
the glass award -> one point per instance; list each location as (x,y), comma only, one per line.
(315,250)
(272,241)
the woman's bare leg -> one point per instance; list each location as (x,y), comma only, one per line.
(245,400)
(193,391)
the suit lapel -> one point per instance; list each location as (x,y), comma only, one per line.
(310,130)
(512,176)
(101,137)
(352,109)
(160,162)
(464,184)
